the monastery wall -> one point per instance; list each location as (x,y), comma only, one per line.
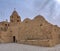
(35,32)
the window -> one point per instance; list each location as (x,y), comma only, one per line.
(17,20)
(5,24)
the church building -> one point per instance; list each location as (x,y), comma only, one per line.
(35,31)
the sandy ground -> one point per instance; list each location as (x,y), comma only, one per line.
(21,47)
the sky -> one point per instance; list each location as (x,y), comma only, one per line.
(50,9)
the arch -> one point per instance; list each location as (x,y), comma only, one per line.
(14,39)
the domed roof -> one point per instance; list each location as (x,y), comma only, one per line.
(39,17)
(14,12)
(26,20)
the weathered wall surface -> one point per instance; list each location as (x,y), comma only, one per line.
(35,32)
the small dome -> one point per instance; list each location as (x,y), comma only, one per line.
(14,13)
(39,17)
(26,20)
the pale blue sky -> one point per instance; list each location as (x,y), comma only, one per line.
(50,9)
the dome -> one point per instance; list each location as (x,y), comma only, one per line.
(14,13)
(39,17)
(26,20)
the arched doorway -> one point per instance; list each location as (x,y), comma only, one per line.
(14,39)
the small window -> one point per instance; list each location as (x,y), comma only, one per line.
(5,24)
(17,20)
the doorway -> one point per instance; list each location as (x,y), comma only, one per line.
(14,39)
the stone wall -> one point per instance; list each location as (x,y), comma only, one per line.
(35,32)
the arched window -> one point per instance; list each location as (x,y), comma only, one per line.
(5,24)
(17,20)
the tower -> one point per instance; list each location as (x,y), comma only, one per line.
(15,18)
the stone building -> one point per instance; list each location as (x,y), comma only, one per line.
(35,32)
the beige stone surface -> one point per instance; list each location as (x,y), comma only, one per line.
(35,32)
